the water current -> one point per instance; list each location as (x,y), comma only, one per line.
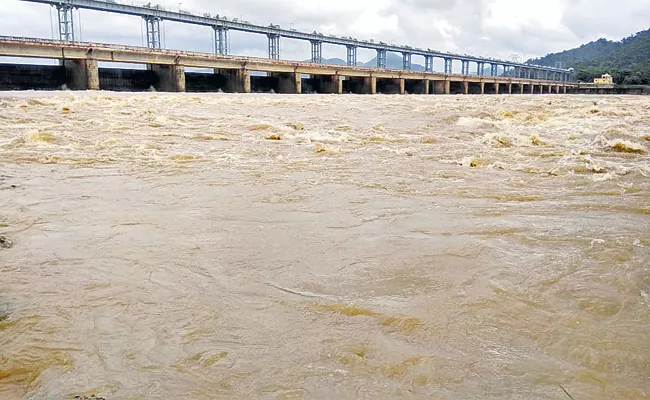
(182,246)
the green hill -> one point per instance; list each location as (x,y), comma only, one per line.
(628,60)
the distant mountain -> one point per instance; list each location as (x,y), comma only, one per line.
(393,61)
(628,60)
(334,61)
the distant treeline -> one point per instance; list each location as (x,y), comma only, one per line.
(628,60)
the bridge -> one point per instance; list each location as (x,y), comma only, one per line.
(153,15)
(167,67)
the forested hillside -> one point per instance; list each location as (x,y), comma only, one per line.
(628,60)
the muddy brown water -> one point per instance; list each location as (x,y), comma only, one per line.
(324,247)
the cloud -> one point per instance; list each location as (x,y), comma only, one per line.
(496,28)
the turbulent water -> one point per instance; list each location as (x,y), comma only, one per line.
(324,247)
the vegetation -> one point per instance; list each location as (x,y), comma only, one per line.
(628,61)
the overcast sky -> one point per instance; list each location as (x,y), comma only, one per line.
(496,28)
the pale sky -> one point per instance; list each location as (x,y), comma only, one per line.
(494,28)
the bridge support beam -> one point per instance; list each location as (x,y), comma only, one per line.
(171,78)
(482,87)
(352,55)
(220,40)
(428,63)
(82,74)
(334,84)
(274,46)
(406,61)
(509,88)
(288,83)
(439,87)
(153,32)
(464,67)
(381,59)
(237,80)
(465,87)
(370,85)
(496,88)
(66,22)
(316,51)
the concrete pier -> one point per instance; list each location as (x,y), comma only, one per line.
(440,87)
(237,80)
(82,74)
(171,78)
(289,83)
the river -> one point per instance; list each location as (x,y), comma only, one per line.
(217,246)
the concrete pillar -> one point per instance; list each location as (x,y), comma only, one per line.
(402,83)
(550,89)
(482,87)
(541,89)
(447,87)
(510,88)
(427,86)
(298,82)
(521,88)
(171,78)
(237,80)
(438,87)
(371,85)
(532,89)
(496,88)
(332,84)
(82,74)
(564,89)
(557,89)
(466,87)
(290,83)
